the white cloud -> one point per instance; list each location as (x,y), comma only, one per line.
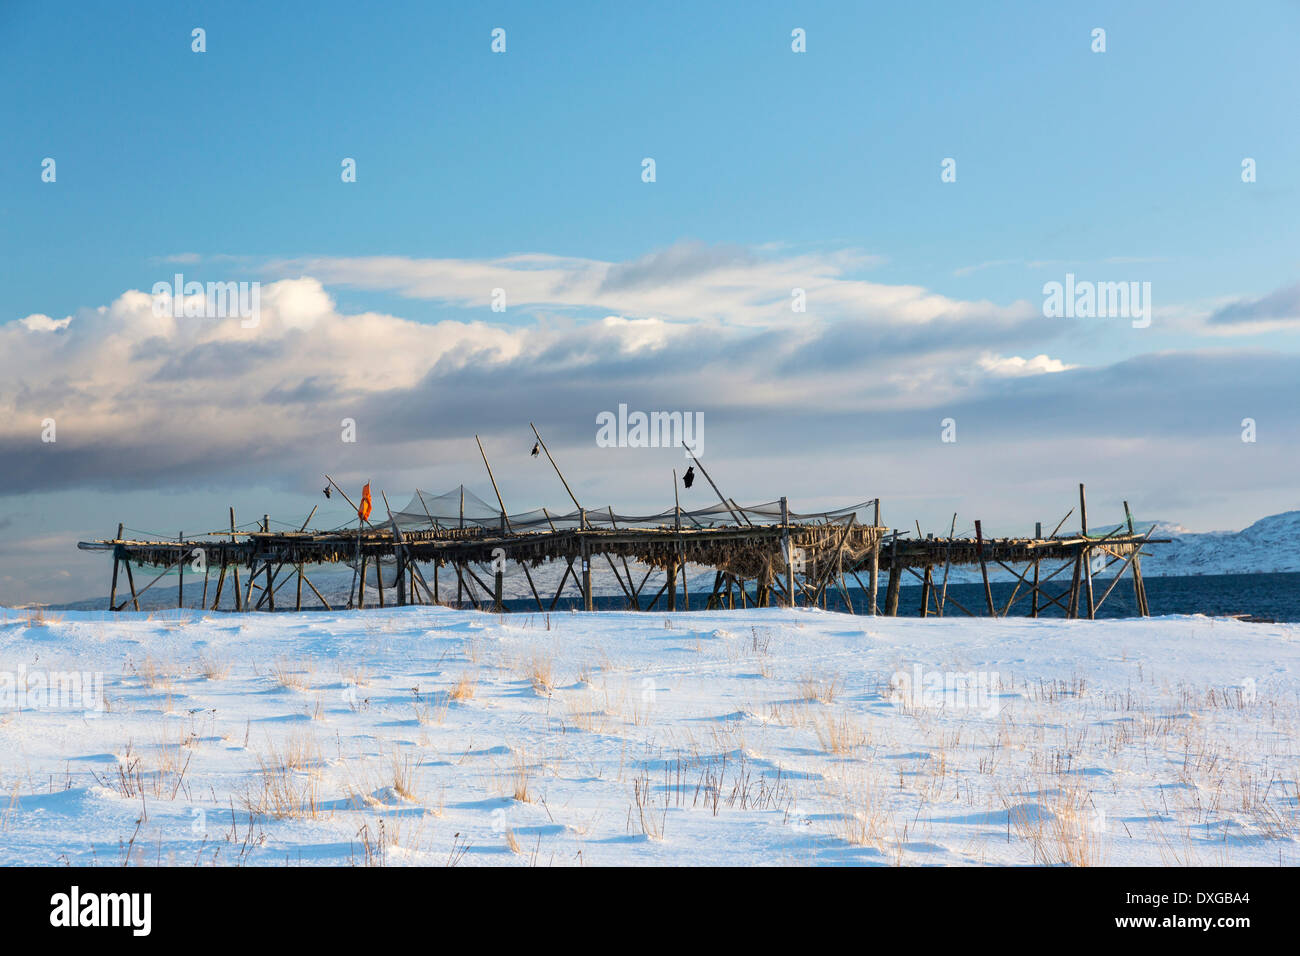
(687,282)
(43,323)
(1006,366)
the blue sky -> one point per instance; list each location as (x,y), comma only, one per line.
(1115,166)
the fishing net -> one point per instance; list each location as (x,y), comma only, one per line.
(460,509)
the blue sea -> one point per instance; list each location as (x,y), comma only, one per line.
(1265,596)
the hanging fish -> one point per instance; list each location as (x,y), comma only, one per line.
(536,448)
(327,491)
(688,479)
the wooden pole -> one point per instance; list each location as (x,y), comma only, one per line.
(895,579)
(361,582)
(721,498)
(406,566)
(554,465)
(235,565)
(677,505)
(505,519)
(1139,588)
(1038,536)
(1087,551)
(266,527)
(204,601)
(984,569)
(586,571)
(1132,556)
(317,593)
(873,569)
(180,578)
(947,564)
(926,584)
(1074,585)
(112,593)
(785,549)
(130,581)
(221,581)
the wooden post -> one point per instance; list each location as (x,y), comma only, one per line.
(686,585)
(203,602)
(1073,610)
(235,566)
(895,576)
(180,580)
(873,569)
(785,550)
(1038,536)
(400,582)
(672,584)
(926,584)
(984,568)
(112,593)
(677,506)
(270,591)
(361,583)
(221,581)
(500,608)
(1087,551)
(947,564)
(130,581)
(1139,588)
(586,572)
(505,521)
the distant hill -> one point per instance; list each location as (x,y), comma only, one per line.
(1267,545)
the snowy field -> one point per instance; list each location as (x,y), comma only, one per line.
(434,737)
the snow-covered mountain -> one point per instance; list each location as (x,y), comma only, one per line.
(1267,545)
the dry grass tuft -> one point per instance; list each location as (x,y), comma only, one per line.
(840,736)
(463,689)
(290,677)
(822,689)
(541,673)
(287,783)
(213,668)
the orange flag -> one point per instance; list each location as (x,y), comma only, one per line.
(364,511)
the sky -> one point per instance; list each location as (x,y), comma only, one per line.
(917,175)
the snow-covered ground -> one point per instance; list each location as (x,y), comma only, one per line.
(432,736)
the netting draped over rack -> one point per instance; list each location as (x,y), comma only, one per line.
(461,508)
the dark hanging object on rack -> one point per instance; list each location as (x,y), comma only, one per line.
(327,491)
(536,448)
(688,479)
